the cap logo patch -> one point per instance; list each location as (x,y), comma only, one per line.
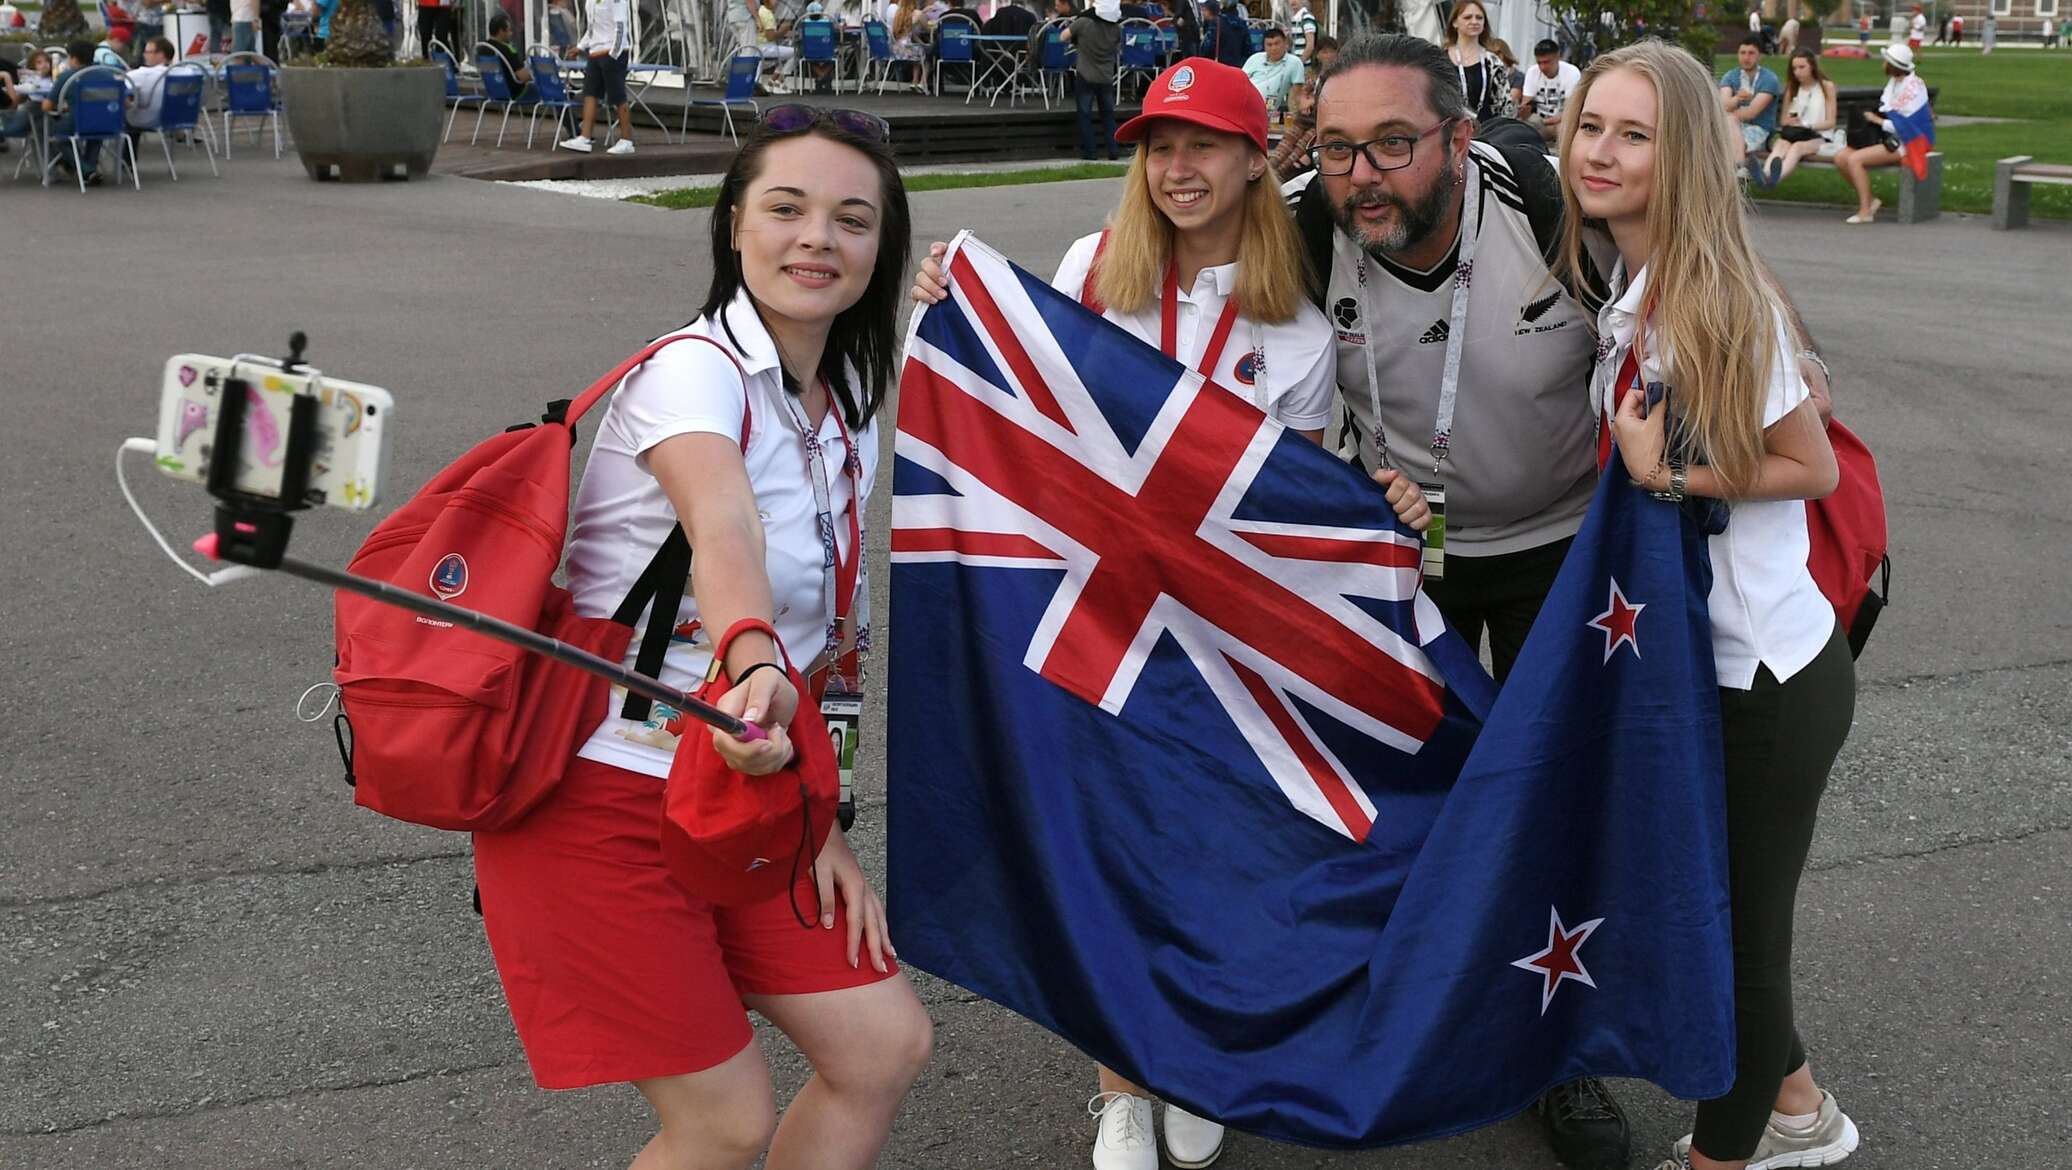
(1181,80)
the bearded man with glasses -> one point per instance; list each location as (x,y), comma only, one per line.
(1462,361)
(1482,390)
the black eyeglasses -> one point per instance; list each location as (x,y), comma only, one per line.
(1390,152)
(795,116)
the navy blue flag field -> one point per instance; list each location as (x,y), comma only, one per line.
(1186,768)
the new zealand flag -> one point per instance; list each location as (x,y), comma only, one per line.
(1186,768)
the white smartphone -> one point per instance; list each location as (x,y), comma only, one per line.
(350,445)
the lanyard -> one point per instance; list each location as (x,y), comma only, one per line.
(838,576)
(1169,324)
(1449,378)
(1626,380)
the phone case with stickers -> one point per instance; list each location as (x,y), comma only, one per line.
(351,441)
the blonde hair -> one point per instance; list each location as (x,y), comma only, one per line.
(1272,264)
(1453,30)
(1709,299)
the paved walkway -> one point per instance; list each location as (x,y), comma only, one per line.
(209,958)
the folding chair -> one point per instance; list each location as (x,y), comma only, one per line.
(877,55)
(95,98)
(248,80)
(497,86)
(1139,53)
(297,33)
(179,108)
(954,46)
(816,45)
(547,82)
(742,69)
(1053,60)
(455,97)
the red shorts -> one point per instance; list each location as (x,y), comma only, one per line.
(614,972)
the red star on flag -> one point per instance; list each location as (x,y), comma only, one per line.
(1618,621)
(1559,960)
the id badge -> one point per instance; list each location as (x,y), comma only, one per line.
(1435,534)
(842,710)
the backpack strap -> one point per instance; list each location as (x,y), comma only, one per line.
(1093,267)
(658,591)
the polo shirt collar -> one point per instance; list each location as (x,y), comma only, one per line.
(1627,305)
(1223,278)
(744,326)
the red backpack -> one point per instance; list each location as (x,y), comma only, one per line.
(1846,532)
(455,729)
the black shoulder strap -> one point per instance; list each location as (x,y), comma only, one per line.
(1539,186)
(662,583)
(1313,220)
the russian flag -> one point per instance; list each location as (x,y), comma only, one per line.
(1916,132)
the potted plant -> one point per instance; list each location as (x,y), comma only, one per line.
(62,21)
(355,113)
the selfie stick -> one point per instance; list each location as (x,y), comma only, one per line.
(253,530)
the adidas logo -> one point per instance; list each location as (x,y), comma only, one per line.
(1538,309)
(1436,334)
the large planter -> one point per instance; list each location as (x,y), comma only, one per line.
(360,125)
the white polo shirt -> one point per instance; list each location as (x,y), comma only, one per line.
(622,514)
(1766,610)
(1287,370)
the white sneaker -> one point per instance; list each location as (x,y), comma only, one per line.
(1831,1138)
(1191,1142)
(622,146)
(579,144)
(1125,1141)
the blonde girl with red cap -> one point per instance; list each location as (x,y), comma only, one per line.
(1201,259)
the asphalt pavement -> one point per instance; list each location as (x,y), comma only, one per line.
(210,958)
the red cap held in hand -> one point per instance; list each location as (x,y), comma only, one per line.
(1206,93)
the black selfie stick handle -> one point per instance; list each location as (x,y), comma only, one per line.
(532,640)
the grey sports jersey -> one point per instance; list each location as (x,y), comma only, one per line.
(1523,462)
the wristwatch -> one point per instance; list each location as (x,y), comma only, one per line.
(1679,481)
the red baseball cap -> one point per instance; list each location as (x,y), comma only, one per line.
(1207,93)
(118,33)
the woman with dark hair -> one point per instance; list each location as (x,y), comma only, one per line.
(755,434)
(1809,119)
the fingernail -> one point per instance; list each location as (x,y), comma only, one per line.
(752,714)
(879,964)
(891,950)
(827,922)
(852,964)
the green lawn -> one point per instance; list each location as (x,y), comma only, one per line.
(687,197)
(2034,85)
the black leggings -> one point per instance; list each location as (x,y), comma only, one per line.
(1781,739)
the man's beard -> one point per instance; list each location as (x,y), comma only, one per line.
(1414,221)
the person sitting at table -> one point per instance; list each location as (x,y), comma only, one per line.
(113,51)
(515,70)
(147,87)
(774,36)
(903,23)
(78,55)
(16,123)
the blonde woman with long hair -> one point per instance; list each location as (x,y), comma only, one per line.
(1649,153)
(1202,259)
